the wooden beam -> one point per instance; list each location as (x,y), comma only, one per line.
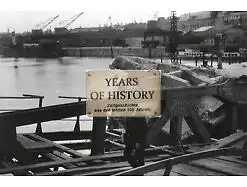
(221,90)
(59,163)
(98,136)
(8,140)
(121,146)
(234,123)
(35,146)
(58,136)
(107,172)
(26,158)
(175,130)
(196,79)
(181,159)
(197,126)
(155,129)
(170,81)
(225,167)
(230,140)
(114,135)
(63,148)
(176,73)
(57,158)
(8,164)
(78,146)
(159,123)
(79,170)
(42,114)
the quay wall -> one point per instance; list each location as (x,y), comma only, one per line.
(114,51)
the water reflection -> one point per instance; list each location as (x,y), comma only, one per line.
(47,77)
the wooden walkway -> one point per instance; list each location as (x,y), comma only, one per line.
(39,156)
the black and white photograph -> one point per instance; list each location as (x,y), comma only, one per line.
(123,88)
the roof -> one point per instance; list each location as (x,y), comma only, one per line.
(195,15)
(203,29)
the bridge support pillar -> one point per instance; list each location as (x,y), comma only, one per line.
(98,136)
(8,140)
(175,130)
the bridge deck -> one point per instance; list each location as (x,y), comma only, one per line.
(39,156)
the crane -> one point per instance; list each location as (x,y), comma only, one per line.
(45,24)
(63,29)
(71,20)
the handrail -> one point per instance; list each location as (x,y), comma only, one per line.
(18,97)
(71,97)
(33,96)
(77,124)
(43,114)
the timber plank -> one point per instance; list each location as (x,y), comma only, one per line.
(232,159)
(170,81)
(160,172)
(229,140)
(31,145)
(155,129)
(107,172)
(80,170)
(57,158)
(227,168)
(63,135)
(173,173)
(8,163)
(197,126)
(65,149)
(78,146)
(181,159)
(59,163)
(155,173)
(190,170)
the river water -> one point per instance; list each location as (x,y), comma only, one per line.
(50,78)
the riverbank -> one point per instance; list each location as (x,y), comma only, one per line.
(114,51)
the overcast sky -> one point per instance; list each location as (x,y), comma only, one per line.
(23,15)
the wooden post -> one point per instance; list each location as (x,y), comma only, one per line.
(175,130)
(203,57)
(39,128)
(219,62)
(77,124)
(244,157)
(196,60)
(197,126)
(211,61)
(180,60)
(8,139)
(149,52)
(98,136)
(234,125)
(112,54)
